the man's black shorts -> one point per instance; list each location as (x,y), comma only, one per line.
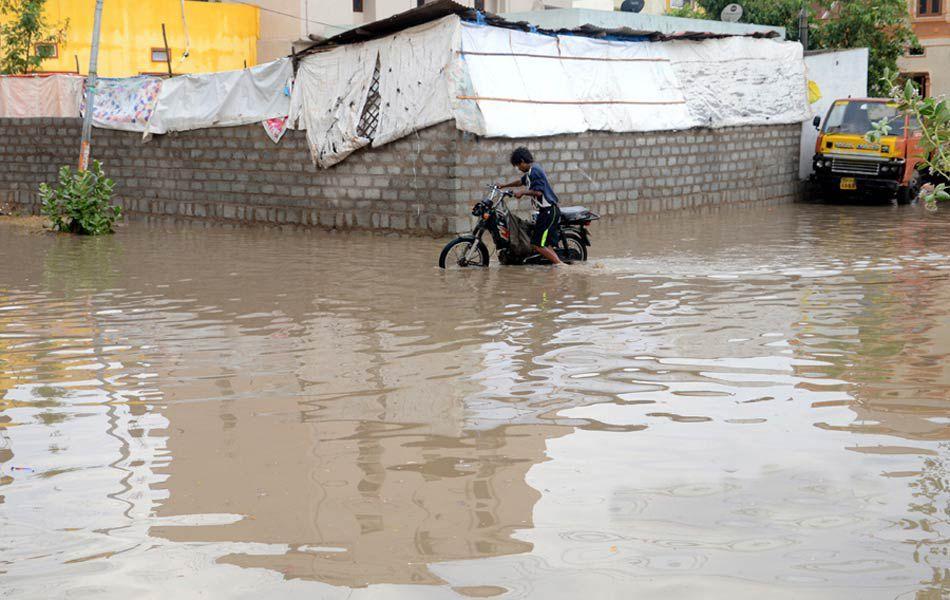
(545,229)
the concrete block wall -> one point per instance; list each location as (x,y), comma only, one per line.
(649,172)
(239,174)
(424,183)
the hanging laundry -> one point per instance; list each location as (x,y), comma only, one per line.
(124,103)
(223,99)
(275,128)
(34,96)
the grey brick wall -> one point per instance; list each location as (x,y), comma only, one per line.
(651,172)
(423,183)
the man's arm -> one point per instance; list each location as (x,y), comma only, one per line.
(535,193)
(515,183)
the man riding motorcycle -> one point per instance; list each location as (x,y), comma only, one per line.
(545,235)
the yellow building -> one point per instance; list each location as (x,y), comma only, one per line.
(220,37)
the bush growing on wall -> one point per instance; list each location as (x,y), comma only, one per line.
(81,201)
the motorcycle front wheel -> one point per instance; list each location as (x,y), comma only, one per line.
(463,252)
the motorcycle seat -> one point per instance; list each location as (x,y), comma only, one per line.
(571,214)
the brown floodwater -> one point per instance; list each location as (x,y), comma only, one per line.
(748,402)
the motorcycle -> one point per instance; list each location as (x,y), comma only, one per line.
(494,217)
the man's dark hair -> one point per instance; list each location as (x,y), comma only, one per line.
(521,155)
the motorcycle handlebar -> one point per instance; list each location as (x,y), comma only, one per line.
(504,193)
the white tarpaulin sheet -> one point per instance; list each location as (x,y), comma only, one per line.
(332,88)
(33,96)
(223,99)
(413,79)
(639,72)
(329,94)
(529,84)
(500,82)
(742,80)
(523,95)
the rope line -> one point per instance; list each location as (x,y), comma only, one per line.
(522,101)
(650,59)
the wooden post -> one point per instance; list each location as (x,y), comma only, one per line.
(168,53)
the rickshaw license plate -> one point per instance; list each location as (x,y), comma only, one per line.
(848,183)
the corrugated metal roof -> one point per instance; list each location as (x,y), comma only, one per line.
(443,8)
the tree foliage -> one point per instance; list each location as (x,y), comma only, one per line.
(687,11)
(778,13)
(882,26)
(23,27)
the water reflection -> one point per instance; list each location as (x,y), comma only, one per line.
(736,403)
(358,503)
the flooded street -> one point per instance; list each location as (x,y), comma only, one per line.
(751,402)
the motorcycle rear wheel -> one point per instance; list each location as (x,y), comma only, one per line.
(459,254)
(572,248)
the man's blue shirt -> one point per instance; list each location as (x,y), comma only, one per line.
(536,180)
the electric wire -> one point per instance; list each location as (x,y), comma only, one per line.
(277,12)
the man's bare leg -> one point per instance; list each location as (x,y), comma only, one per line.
(549,254)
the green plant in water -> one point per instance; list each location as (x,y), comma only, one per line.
(933,115)
(81,201)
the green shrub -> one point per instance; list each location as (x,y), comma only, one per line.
(80,203)
(687,11)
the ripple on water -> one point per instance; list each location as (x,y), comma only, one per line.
(324,415)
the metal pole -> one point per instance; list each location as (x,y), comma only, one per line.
(168,53)
(90,90)
(803,28)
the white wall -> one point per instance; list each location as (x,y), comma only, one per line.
(594,4)
(935,63)
(839,74)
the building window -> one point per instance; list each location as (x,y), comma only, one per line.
(916,50)
(47,50)
(159,55)
(357,5)
(928,7)
(920,82)
(480,5)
